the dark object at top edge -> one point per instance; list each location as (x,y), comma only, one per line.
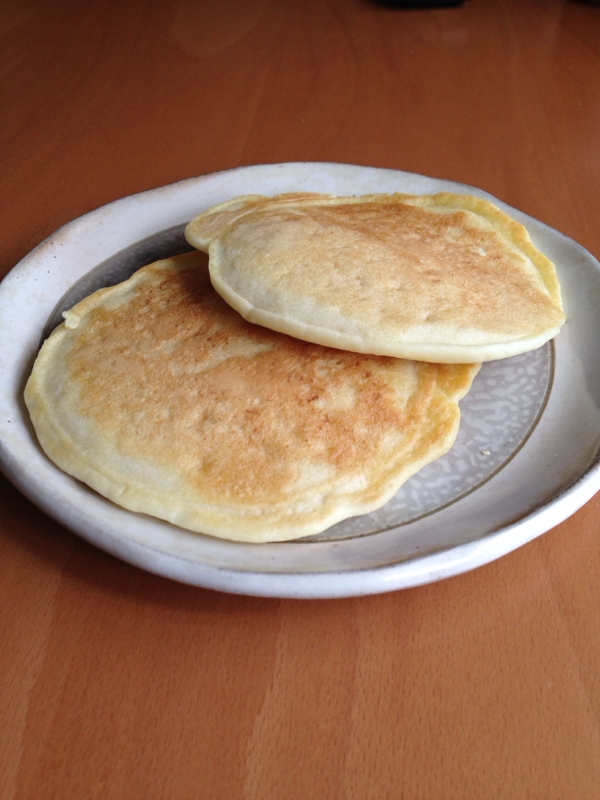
(419,3)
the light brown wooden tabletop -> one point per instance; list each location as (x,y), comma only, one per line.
(116,683)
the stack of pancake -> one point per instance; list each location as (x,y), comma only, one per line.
(303,374)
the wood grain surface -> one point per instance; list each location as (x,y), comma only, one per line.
(115,683)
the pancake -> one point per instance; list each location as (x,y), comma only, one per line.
(442,278)
(163,399)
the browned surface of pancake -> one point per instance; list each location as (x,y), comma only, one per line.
(161,397)
(443,278)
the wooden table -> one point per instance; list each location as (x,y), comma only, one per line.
(115,683)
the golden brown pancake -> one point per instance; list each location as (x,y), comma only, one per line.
(441,278)
(162,398)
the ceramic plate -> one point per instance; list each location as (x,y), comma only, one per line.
(526,456)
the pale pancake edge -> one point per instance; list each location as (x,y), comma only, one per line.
(163,399)
(441,278)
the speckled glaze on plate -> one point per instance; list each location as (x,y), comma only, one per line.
(525,459)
